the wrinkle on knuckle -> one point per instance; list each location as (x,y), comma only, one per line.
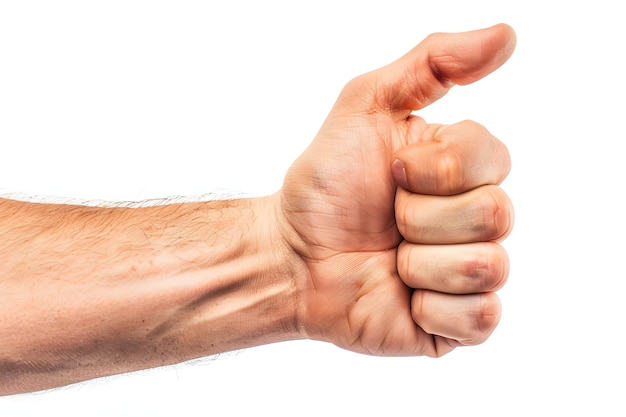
(486,270)
(495,222)
(404,262)
(406,215)
(504,267)
(499,268)
(480,320)
(450,178)
(477,268)
(487,316)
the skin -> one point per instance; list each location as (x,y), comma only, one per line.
(384,240)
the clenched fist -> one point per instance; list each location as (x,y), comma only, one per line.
(398,220)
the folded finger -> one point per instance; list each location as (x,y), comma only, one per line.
(451,160)
(482,215)
(468,319)
(454,269)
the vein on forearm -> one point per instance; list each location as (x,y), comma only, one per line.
(90,291)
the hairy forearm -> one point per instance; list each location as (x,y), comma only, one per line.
(91,291)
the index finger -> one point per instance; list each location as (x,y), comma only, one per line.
(459,158)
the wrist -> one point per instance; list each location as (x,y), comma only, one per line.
(271,271)
(246,294)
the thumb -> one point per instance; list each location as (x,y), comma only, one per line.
(442,60)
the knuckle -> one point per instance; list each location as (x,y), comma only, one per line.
(362,90)
(477,270)
(496,214)
(407,210)
(450,178)
(486,270)
(499,268)
(487,316)
(356,84)
(486,159)
(483,320)
(474,127)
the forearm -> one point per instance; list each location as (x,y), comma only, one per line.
(88,292)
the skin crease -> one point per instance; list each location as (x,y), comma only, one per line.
(384,240)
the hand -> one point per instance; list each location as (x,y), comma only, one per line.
(398,220)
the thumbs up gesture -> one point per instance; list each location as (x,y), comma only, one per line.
(397,222)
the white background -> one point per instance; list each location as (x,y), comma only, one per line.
(130,100)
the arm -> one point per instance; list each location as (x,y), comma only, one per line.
(383,240)
(89,291)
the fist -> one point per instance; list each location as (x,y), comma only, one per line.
(452,214)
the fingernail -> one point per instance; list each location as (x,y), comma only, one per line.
(399,174)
